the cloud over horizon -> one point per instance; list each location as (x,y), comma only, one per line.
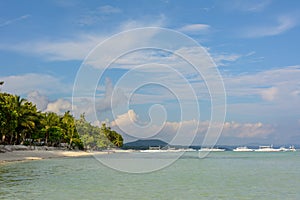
(169,130)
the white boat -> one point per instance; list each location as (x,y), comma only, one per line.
(267,149)
(243,149)
(159,150)
(283,149)
(291,148)
(211,149)
(188,150)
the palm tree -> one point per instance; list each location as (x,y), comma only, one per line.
(17,109)
(49,121)
(69,126)
(118,140)
(28,120)
(11,106)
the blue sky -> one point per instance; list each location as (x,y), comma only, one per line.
(255,45)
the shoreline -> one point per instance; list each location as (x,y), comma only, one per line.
(30,155)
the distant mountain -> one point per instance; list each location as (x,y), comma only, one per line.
(144,144)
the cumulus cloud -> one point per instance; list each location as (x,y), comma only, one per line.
(41,101)
(59,106)
(230,129)
(98,105)
(125,119)
(186,131)
(112,96)
(247,130)
(130,124)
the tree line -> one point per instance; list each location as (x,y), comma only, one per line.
(22,123)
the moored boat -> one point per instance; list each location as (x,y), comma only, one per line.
(243,149)
(292,148)
(211,149)
(160,150)
(187,150)
(266,149)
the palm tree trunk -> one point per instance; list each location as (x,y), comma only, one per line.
(11,138)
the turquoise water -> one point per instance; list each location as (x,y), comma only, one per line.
(222,175)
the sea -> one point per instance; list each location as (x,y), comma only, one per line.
(220,175)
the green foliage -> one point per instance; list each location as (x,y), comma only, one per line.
(95,138)
(22,123)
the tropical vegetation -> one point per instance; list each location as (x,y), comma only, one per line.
(22,123)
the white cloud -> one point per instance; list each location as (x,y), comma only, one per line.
(269,94)
(130,124)
(195,28)
(61,50)
(247,130)
(100,104)
(125,119)
(26,83)
(266,95)
(60,106)
(41,101)
(221,58)
(80,45)
(173,72)
(282,82)
(186,131)
(284,23)
(105,103)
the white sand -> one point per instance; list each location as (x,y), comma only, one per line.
(38,155)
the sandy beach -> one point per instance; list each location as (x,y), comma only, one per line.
(41,154)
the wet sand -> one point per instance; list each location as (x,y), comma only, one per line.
(42,154)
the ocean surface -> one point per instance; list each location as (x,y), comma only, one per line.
(221,175)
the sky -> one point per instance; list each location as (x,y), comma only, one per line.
(56,54)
